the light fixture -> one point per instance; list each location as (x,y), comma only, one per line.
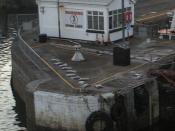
(42,9)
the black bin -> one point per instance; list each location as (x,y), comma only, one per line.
(43,38)
(121,56)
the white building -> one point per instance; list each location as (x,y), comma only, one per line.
(92,20)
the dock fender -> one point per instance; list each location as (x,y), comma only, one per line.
(101,117)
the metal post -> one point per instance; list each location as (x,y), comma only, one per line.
(59,24)
(123,20)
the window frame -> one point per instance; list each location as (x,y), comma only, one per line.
(91,13)
(119,14)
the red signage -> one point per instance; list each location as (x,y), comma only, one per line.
(128,16)
(74,12)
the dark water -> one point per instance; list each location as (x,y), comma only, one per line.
(10,118)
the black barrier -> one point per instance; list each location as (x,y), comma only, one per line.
(43,38)
(121,56)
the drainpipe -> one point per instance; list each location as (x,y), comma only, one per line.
(97,40)
(109,39)
(59,19)
(123,20)
(102,41)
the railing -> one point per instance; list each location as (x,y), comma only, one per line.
(16,20)
(36,59)
(29,52)
(26,49)
(147,31)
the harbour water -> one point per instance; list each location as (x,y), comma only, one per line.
(10,118)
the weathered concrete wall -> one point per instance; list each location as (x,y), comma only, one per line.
(24,70)
(26,76)
(153,90)
(63,111)
(30,107)
(19,73)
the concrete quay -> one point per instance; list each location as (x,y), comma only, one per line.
(55,100)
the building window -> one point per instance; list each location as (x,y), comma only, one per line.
(128,9)
(95,20)
(116,18)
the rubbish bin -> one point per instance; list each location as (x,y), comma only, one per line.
(121,55)
(43,38)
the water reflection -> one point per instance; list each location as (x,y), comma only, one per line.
(9,118)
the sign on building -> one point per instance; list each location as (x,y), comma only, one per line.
(73,18)
(128,16)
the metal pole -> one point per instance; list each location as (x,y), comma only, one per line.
(123,20)
(59,24)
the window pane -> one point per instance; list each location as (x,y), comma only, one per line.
(89,12)
(90,22)
(115,12)
(100,13)
(120,21)
(110,22)
(110,12)
(101,23)
(95,12)
(115,21)
(95,22)
(129,9)
(120,11)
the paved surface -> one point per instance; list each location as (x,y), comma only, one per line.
(149,10)
(98,68)
(150,6)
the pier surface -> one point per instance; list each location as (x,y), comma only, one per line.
(98,68)
(153,10)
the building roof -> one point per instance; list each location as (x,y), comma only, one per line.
(90,2)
